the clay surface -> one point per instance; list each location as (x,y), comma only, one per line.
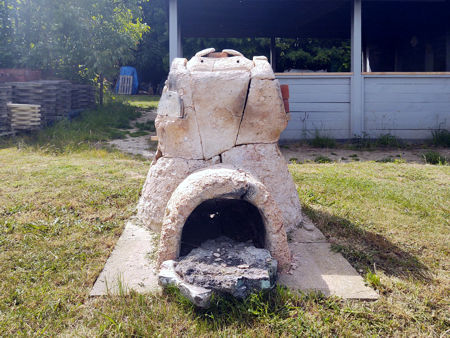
(222,181)
(264,116)
(265,162)
(163,178)
(219,99)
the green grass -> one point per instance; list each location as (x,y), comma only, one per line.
(149,126)
(60,216)
(140,101)
(86,131)
(138,133)
(61,212)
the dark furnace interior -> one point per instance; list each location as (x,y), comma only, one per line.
(233,218)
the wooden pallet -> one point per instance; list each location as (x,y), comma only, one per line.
(125,85)
(24,116)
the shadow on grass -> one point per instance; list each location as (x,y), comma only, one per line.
(365,249)
(277,309)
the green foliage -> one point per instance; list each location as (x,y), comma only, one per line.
(332,55)
(322,142)
(151,57)
(74,39)
(441,138)
(383,141)
(433,157)
(373,279)
(388,140)
(322,159)
(7,50)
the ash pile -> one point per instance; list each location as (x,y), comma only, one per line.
(220,266)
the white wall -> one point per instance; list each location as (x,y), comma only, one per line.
(407,106)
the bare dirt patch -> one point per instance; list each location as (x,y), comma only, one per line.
(137,145)
(301,153)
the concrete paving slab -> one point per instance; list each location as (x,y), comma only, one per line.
(130,266)
(315,266)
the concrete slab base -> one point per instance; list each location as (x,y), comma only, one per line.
(131,265)
(315,267)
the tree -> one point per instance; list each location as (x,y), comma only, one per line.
(74,39)
(6,35)
(152,55)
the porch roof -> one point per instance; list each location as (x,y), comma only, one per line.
(293,18)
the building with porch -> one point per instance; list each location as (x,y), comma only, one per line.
(399,79)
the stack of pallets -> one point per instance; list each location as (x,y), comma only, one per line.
(83,96)
(5,97)
(57,100)
(31,93)
(64,99)
(54,97)
(24,116)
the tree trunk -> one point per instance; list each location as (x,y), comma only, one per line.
(100,96)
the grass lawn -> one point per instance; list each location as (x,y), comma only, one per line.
(140,101)
(64,202)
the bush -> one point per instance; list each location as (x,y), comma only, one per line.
(322,142)
(433,157)
(388,140)
(361,141)
(322,159)
(441,138)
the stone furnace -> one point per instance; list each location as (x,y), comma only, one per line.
(218,170)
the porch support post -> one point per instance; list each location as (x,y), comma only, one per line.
(447,43)
(273,55)
(179,41)
(356,95)
(173,30)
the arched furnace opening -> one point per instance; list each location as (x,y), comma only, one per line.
(233,218)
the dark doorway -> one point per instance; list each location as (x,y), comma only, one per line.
(236,219)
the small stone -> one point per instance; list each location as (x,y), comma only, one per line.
(243,266)
(215,254)
(218,260)
(308,226)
